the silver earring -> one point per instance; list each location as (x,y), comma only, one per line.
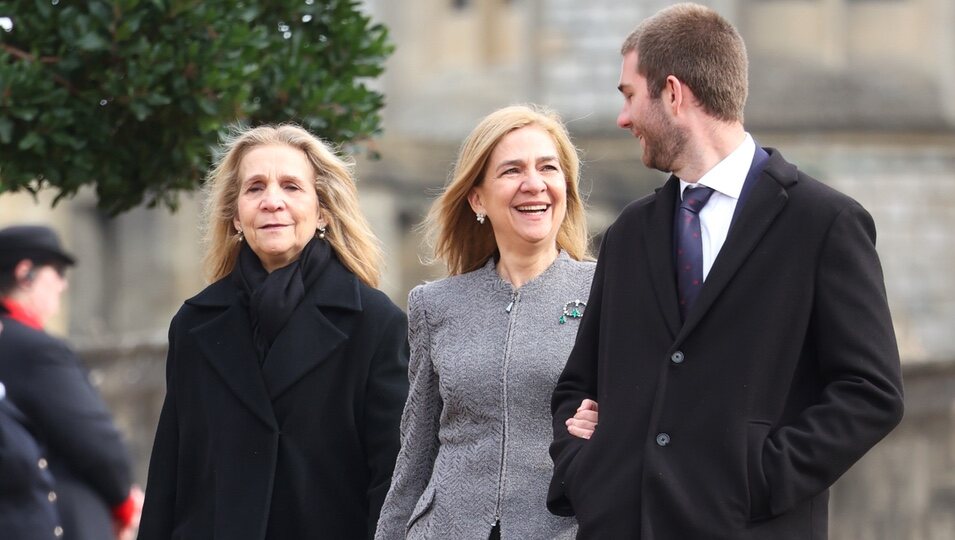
(321,232)
(480,217)
(241,236)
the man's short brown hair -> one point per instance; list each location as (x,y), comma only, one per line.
(701,49)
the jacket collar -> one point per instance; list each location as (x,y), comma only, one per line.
(488,273)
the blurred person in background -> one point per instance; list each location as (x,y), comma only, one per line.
(286,376)
(488,342)
(26,511)
(45,380)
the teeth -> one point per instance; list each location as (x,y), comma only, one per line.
(532,208)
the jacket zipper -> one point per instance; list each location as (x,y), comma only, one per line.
(515,298)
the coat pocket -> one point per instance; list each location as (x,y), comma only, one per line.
(579,465)
(757,432)
(422,507)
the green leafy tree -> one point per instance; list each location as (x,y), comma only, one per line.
(131,95)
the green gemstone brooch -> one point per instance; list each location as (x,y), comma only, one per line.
(572,310)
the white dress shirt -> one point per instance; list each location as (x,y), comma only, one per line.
(726,178)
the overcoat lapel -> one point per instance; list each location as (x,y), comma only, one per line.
(311,336)
(659,242)
(306,341)
(226,342)
(765,202)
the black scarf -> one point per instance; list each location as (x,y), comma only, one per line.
(272,297)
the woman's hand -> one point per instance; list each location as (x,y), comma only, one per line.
(584,420)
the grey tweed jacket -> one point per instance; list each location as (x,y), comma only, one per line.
(477,425)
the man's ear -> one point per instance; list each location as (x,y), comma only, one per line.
(674,93)
(24,271)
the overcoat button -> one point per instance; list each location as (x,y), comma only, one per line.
(677,357)
(51,496)
(58,531)
(663,439)
(42,464)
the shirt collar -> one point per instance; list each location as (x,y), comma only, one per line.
(728,175)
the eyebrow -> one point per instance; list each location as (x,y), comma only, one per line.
(282,178)
(511,162)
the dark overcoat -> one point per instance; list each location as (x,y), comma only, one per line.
(26,511)
(85,450)
(301,447)
(734,424)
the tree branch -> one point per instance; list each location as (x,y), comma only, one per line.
(27,57)
(23,55)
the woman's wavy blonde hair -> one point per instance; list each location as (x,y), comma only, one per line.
(454,234)
(348,231)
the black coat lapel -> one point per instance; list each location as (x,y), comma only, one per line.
(314,331)
(226,342)
(307,339)
(766,200)
(659,242)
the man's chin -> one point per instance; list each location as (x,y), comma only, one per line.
(650,161)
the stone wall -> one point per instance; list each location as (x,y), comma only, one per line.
(132,381)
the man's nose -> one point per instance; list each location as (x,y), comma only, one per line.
(623,118)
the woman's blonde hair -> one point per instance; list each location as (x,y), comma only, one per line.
(348,231)
(456,237)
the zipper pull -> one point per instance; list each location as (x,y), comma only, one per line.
(511,305)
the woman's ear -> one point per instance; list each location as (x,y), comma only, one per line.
(474,199)
(322,212)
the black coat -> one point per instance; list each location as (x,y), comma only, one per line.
(26,511)
(735,424)
(86,453)
(303,447)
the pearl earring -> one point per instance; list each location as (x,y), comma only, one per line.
(480,217)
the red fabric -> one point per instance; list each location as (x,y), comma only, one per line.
(123,512)
(21,315)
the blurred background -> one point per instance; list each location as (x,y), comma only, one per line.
(858,93)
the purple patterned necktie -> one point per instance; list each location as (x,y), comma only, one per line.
(689,249)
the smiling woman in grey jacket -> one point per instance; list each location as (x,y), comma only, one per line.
(488,342)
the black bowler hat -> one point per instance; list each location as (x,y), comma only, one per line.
(34,242)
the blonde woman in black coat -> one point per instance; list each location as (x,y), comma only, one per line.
(287,375)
